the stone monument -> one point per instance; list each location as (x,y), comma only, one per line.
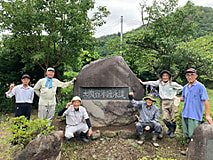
(200,148)
(104,86)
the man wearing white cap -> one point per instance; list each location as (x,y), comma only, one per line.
(75,113)
(46,88)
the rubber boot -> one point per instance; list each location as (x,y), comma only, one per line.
(141,139)
(83,137)
(173,128)
(168,125)
(154,140)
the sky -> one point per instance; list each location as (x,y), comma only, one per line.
(130,10)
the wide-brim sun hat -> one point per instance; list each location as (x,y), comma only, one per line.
(150,96)
(165,71)
(76,98)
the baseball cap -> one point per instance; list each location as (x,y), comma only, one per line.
(191,70)
(25,76)
(51,69)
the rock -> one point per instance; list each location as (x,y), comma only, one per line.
(96,134)
(103,86)
(47,147)
(127,134)
(109,134)
(202,143)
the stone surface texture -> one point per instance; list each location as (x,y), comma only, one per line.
(110,72)
(47,147)
(200,148)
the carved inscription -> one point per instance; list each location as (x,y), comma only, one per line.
(104,93)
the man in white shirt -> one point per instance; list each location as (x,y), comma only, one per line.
(24,95)
(75,113)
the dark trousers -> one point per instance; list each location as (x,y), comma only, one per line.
(23,109)
(140,128)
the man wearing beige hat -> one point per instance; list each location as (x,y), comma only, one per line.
(46,89)
(148,120)
(75,113)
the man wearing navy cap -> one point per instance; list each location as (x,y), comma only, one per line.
(24,95)
(195,97)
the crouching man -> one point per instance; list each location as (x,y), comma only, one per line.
(148,120)
(75,113)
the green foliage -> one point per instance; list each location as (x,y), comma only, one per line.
(50,33)
(25,131)
(167,25)
(204,22)
(87,57)
(156,45)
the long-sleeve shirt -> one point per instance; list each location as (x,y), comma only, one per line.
(146,115)
(46,94)
(22,95)
(167,90)
(74,117)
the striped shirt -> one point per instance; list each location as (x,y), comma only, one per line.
(22,95)
(146,115)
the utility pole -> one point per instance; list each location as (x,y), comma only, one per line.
(121,34)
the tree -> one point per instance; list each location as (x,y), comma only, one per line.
(163,29)
(49,32)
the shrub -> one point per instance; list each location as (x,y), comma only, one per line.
(25,131)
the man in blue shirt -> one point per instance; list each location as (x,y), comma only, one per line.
(24,95)
(195,97)
(148,120)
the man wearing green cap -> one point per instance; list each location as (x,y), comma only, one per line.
(148,120)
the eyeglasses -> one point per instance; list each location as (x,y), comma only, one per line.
(190,75)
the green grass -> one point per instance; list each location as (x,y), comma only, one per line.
(210,94)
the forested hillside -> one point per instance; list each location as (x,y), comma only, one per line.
(169,42)
(204,26)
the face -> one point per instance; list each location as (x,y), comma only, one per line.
(148,102)
(50,74)
(76,104)
(191,77)
(165,77)
(25,81)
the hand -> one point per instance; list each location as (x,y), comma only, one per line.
(89,132)
(68,104)
(147,128)
(140,80)
(12,85)
(209,119)
(131,93)
(74,79)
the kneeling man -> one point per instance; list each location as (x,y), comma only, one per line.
(75,113)
(148,120)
